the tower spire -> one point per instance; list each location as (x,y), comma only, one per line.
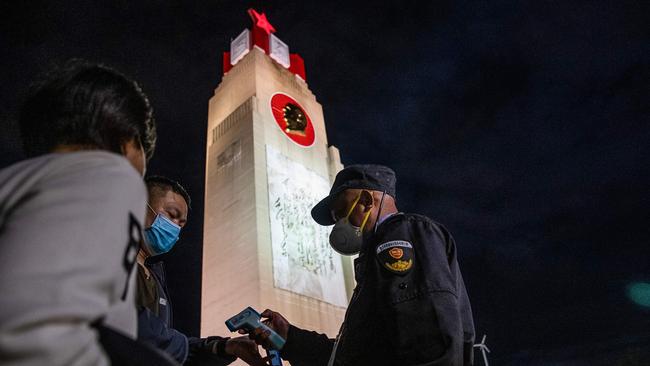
(261,35)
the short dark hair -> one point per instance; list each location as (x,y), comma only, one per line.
(165,184)
(83,103)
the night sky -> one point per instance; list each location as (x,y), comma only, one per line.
(523,127)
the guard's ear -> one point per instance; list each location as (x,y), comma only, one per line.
(366,200)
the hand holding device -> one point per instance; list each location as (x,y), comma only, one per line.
(249,321)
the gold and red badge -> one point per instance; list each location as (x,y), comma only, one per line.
(396,253)
(396,256)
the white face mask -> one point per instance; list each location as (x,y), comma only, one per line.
(346,238)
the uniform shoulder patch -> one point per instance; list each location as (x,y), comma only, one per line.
(396,256)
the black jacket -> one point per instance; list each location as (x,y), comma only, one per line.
(155,326)
(410,306)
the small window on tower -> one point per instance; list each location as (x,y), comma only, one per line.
(230,156)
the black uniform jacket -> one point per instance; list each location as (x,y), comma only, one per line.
(409,307)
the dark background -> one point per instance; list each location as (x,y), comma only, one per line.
(522,126)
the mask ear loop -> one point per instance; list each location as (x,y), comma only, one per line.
(152,210)
(356,200)
(363,223)
(381,205)
(365,218)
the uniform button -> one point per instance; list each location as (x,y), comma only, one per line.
(403,286)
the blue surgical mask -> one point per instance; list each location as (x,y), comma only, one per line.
(162,235)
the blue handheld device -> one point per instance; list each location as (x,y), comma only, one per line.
(248,320)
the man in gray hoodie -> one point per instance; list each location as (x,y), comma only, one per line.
(71,217)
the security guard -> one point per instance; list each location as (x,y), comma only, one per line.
(410,306)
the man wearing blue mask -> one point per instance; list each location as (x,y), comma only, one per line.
(409,307)
(166,215)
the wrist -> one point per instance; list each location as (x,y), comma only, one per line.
(221,349)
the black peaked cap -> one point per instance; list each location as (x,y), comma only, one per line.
(362,176)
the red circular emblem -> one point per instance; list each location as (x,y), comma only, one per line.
(292,119)
(396,253)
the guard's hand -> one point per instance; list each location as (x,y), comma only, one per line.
(275,321)
(246,350)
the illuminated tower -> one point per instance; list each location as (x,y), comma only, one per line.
(267,164)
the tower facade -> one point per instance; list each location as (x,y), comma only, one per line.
(267,163)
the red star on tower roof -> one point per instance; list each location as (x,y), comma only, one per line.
(260,21)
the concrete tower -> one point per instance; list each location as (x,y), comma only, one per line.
(267,163)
